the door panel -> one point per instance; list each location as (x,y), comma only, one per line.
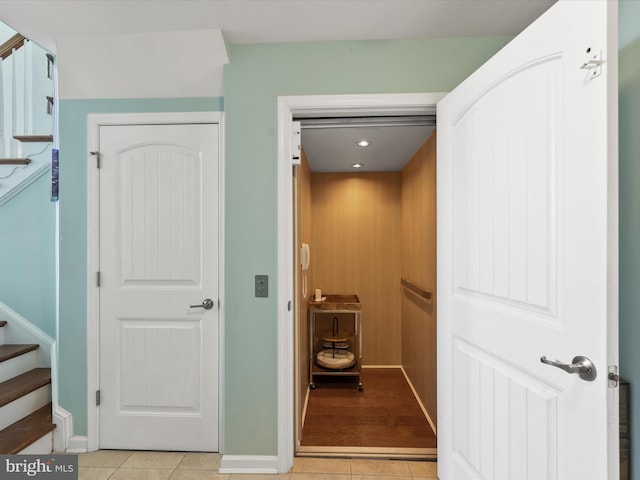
(158,256)
(527,254)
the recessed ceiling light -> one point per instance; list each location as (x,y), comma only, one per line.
(357,165)
(363,143)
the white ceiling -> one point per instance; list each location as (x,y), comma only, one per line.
(52,22)
(272,21)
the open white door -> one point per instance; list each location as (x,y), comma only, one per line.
(527,254)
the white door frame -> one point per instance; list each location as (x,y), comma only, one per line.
(318,105)
(95,121)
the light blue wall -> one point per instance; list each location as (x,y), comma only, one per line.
(630,214)
(27,254)
(254,79)
(73,234)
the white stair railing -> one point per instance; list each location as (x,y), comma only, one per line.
(26,83)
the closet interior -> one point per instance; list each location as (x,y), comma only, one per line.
(366,234)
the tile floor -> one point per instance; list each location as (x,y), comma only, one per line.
(122,465)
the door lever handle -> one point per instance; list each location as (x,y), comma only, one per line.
(207,304)
(580,365)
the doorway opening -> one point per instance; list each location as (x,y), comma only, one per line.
(386,301)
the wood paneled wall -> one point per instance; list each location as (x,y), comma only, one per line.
(419,267)
(355,249)
(303,219)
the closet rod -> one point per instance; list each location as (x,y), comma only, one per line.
(410,286)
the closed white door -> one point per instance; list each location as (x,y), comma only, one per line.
(158,257)
(527,254)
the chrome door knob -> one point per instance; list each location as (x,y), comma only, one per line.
(580,365)
(207,304)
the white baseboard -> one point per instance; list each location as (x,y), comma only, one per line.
(64,429)
(78,444)
(63,438)
(251,464)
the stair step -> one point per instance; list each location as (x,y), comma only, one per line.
(12,44)
(24,406)
(33,138)
(23,384)
(15,161)
(7,352)
(3,323)
(19,435)
(19,365)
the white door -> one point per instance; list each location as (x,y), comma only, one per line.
(158,256)
(527,254)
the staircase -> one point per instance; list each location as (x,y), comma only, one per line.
(25,400)
(26,114)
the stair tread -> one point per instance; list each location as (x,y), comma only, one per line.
(3,323)
(34,138)
(23,384)
(19,435)
(15,161)
(9,351)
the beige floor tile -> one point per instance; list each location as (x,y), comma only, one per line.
(141,474)
(103,458)
(319,476)
(321,465)
(197,475)
(380,467)
(380,477)
(423,469)
(94,473)
(200,461)
(158,460)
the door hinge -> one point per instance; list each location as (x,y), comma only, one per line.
(97,398)
(613,376)
(97,279)
(97,155)
(593,63)
(289,306)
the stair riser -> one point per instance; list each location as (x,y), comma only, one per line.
(18,365)
(23,406)
(1,336)
(43,446)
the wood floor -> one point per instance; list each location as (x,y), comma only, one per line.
(384,414)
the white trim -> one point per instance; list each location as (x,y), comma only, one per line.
(77,444)
(64,429)
(44,168)
(251,464)
(221,276)
(94,122)
(320,105)
(20,330)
